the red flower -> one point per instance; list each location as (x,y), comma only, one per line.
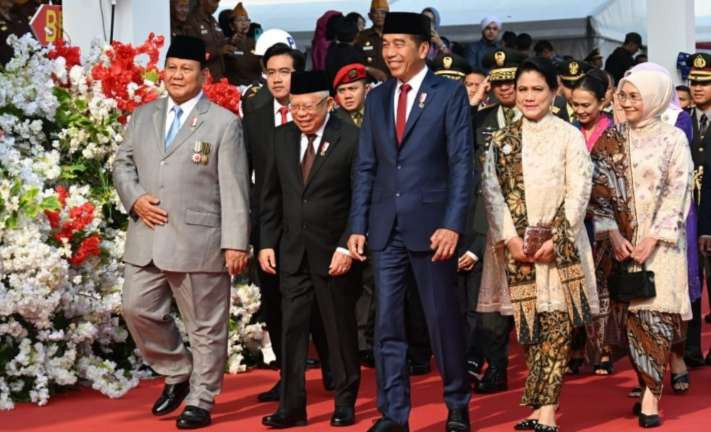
(53,217)
(89,247)
(222,93)
(81,216)
(71,54)
(123,70)
(62,194)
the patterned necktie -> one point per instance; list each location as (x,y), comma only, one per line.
(309,157)
(174,127)
(284,111)
(703,125)
(509,115)
(401,118)
(357,117)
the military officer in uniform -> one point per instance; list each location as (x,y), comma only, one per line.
(350,86)
(371,41)
(494,321)
(569,72)
(179,13)
(181,171)
(700,84)
(242,66)
(208,29)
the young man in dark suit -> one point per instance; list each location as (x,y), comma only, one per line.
(304,213)
(413,181)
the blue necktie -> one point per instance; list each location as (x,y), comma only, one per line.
(174,127)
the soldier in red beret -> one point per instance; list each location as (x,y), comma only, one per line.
(351,85)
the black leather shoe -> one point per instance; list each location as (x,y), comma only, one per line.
(694,361)
(281,421)
(384,424)
(171,398)
(343,416)
(527,424)
(193,418)
(494,381)
(474,370)
(649,421)
(458,420)
(270,395)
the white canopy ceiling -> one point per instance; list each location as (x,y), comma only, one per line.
(610,19)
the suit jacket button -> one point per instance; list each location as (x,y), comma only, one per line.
(399,166)
(397,195)
(162,163)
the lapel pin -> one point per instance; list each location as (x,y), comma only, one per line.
(423,98)
(194,123)
(506,149)
(325,148)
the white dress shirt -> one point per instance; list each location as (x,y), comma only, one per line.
(316,144)
(415,84)
(317,140)
(277,114)
(187,108)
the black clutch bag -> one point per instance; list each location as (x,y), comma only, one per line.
(626,286)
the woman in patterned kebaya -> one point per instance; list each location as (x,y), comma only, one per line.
(537,180)
(641,195)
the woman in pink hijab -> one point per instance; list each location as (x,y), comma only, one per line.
(322,40)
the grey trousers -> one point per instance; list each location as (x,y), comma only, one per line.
(203,300)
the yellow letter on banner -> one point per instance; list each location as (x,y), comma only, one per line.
(50,28)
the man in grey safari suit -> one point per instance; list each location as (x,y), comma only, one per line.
(181,171)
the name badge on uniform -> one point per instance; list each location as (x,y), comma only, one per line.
(201,150)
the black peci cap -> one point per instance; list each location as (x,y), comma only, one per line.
(309,82)
(407,23)
(187,48)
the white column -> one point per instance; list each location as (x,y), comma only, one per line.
(86,20)
(671,28)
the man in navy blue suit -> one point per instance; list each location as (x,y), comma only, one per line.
(412,187)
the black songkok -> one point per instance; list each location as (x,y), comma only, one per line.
(187,48)
(309,82)
(407,23)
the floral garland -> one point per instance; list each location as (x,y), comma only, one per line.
(62,226)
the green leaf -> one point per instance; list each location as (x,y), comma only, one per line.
(51,203)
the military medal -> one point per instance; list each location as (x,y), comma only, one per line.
(201,150)
(423,97)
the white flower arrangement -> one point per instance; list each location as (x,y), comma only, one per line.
(62,232)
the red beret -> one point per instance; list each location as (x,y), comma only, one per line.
(348,74)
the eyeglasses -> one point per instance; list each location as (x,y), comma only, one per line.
(306,107)
(632,97)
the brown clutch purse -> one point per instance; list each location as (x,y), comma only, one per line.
(534,237)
